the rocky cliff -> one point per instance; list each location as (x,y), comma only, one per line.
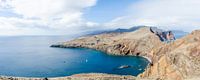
(177,60)
(139,42)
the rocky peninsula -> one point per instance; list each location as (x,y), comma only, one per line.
(136,43)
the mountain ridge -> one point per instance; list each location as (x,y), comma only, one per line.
(179,33)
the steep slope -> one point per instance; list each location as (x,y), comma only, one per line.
(139,42)
(178,60)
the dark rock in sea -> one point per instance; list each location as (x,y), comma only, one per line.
(45,79)
(124,66)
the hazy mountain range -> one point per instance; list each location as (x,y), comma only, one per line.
(177,33)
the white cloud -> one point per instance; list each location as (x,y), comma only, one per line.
(44,16)
(168,14)
(66,16)
(4,4)
(49,8)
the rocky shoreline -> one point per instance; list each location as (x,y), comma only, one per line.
(134,43)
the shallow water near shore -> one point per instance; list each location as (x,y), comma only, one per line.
(31,56)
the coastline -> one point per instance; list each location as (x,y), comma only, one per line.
(148,59)
(123,44)
(60,45)
(88,76)
(172,61)
(175,61)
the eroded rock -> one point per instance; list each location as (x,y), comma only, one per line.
(139,42)
(178,60)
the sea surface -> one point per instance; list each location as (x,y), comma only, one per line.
(31,56)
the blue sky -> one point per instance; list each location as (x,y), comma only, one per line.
(69,17)
(107,10)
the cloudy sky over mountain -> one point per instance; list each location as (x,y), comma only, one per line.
(54,17)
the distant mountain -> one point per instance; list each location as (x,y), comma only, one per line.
(179,34)
(119,30)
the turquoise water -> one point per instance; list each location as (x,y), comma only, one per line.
(31,56)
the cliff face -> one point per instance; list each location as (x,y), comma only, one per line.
(139,42)
(178,60)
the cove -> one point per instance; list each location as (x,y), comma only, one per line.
(31,56)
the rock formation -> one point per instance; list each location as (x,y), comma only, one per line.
(177,60)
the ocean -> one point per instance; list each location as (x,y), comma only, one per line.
(31,56)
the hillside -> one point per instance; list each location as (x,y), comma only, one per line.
(178,60)
(131,43)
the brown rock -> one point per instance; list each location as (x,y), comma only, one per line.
(139,42)
(178,60)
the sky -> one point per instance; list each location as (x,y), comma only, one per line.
(71,17)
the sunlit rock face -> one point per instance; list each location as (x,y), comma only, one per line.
(177,60)
(139,42)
